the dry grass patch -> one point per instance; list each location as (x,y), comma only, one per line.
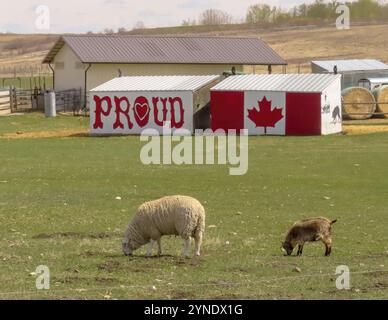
(46,134)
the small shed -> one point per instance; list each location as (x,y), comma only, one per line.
(278,104)
(352,70)
(129,105)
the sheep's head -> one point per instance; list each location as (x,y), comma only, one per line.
(129,245)
(287,247)
(126,249)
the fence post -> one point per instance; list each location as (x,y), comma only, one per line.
(11,99)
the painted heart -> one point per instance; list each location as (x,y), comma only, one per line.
(142,111)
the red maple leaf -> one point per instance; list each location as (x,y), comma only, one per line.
(265,117)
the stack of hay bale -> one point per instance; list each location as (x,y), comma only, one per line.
(381,95)
(360,103)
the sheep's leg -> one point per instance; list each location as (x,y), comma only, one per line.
(159,247)
(150,249)
(186,252)
(198,243)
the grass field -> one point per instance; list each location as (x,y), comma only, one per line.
(58,208)
(27,82)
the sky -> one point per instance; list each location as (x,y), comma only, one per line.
(68,16)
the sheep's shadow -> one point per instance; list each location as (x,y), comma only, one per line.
(177,260)
(155,257)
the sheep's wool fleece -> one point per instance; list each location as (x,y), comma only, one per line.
(175,215)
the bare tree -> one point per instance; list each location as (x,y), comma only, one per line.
(215,17)
(109,31)
(122,30)
(260,13)
(189,22)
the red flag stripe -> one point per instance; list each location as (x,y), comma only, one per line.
(227,110)
(303,114)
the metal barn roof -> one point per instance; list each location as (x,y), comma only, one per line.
(278,82)
(173,50)
(156,83)
(351,65)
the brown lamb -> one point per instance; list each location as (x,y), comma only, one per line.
(309,230)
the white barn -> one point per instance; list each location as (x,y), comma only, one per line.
(87,61)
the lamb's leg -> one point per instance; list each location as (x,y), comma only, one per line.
(150,249)
(159,247)
(198,243)
(186,252)
(300,249)
(328,244)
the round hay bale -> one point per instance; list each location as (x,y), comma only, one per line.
(381,95)
(358,100)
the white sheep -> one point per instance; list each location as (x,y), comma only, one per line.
(175,215)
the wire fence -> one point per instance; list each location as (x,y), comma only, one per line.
(15,100)
(27,77)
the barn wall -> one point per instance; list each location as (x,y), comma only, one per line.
(72,75)
(101,73)
(331,123)
(142,114)
(303,114)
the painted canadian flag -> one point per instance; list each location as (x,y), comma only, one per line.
(267,112)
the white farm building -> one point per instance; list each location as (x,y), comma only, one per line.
(87,61)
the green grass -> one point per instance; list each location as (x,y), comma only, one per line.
(36,122)
(58,208)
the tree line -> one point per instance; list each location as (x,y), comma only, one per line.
(264,14)
(318,10)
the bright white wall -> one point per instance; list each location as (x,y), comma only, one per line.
(331,96)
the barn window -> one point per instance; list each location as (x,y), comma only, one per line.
(59,65)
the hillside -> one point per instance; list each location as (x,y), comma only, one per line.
(298,45)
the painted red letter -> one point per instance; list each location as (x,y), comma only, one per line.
(98,124)
(155,102)
(175,124)
(118,123)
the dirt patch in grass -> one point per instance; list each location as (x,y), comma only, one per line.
(69,279)
(106,280)
(382,273)
(46,134)
(364,129)
(229,296)
(351,128)
(181,295)
(222,283)
(76,235)
(242,270)
(188,262)
(109,266)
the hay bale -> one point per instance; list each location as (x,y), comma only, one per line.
(381,95)
(358,100)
